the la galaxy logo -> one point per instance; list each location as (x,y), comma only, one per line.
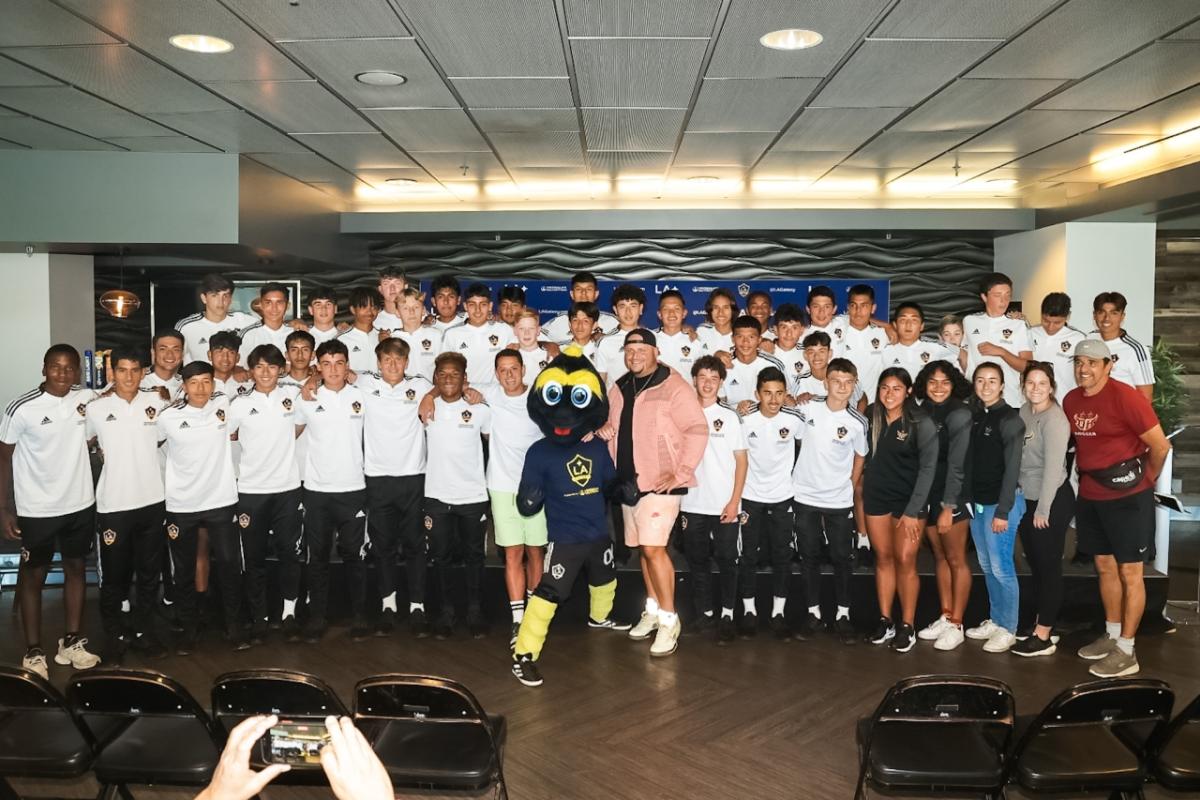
(1006,333)
(493,340)
(81,408)
(901,435)
(841,433)
(579,469)
(718,424)
(683,521)
(837,333)
(109,537)
(743,290)
(875,344)
(426,344)
(784,433)
(151,412)
(685,351)
(925,357)
(428,523)
(173,531)
(743,517)
(287,404)
(221,414)
(1065,347)
(1115,358)
(410,394)
(466,416)
(356,406)
(244,520)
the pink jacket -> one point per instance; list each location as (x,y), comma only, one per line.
(670,431)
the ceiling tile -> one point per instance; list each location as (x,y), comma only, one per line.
(1155,72)
(962,19)
(294,106)
(14,74)
(628,164)
(44,136)
(659,73)
(1188,32)
(1031,130)
(632,128)
(516,120)
(301,166)
(123,76)
(161,144)
(449,166)
(435,130)
(1079,150)
(73,109)
(1173,114)
(902,149)
(835,128)
(509,38)
(322,20)
(37,22)
(231,131)
(738,54)
(721,149)
(515,92)
(356,151)
(898,73)
(748,104)
(1097,32)
(641,18)
(337,61)
(797,165)
(7,145)
(972,105)
(546,149)
(252,57)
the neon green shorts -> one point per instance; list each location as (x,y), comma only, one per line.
(513,529)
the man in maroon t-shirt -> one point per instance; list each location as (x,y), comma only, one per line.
(1120,449)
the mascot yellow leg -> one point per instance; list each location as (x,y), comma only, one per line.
(600,600)
(534,627)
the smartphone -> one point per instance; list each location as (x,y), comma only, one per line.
(295,743)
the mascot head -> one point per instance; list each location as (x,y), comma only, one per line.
(568,400)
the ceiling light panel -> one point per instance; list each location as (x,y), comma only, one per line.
(1099,31)
(898,73)
(835,128)
(962,19)
(655,73)
(36,22)
(1148,75)
(295,106)
(322,20)
(972,105)
(748,104)
(356,151)
(232,131)
(433,130)
(641,18)
(515,92)
(72,108)
(508,38)
(632,128)
(44,136)
(738,54)
(337,61)
(721,149)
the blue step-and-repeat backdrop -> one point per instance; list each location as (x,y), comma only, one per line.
(550,297)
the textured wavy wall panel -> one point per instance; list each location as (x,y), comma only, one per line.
(940,273)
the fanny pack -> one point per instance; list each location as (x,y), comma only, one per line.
(1122,475)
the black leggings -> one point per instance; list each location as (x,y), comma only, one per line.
(1044,551)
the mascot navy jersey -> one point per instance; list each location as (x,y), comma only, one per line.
(573,477)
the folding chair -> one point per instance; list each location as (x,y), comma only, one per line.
(1176,753)
(39,736)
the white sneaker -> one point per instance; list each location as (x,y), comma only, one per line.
(952,637)
(984,630)
(934,629)
(36,663)
(667,640)
(1001,642)
(76,655)
(647,625)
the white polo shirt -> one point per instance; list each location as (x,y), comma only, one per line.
(535,361)
(512,434)
(715,473)
(812,385)
(1131,360)
(714,340)
(865,350)
(1058,350)
(610,355)
(127,433)
(442,327)
(259,333)
(387,321)
(333,423)
(288,381)
(836,330)
(173,385)
(741,380)
(913,357)
(52,476)
(198,329)
(200,473)
(829,442)
(265,425)
(558,329)
(679,351)
(794,364)
(362,349)
(454,473)
(319,336)
(424,345)
(1011,334)
(772,454)
(479,343)
(393,436)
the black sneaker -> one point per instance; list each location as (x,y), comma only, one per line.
(240,640)
(1033,646)
(524,669)
(444,627)
(113,652)
(844,630)
(476,623)
(149,646)
(725,631)
(884,632)
(291,630)
(386,623)
(703,626)
(809,628)
(1024,632)
(780,629)
(905,638)
(609,624)
(170,614)
(748,626)
(360,631)
(418,625)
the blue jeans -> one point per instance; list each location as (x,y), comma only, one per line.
(995,552)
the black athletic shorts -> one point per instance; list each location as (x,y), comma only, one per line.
(1121,528)
(962,513)
(71,534)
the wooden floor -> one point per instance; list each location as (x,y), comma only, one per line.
(759,719)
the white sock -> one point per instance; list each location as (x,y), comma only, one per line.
(415,607)
(518,610)
(726,613)
(777,604)
(708,614)
(667,618)
(1113,629)
(1125,645)
(289,608)
(651,605)
(815,611)
(389,603)
(167,602)
(843,612)
(125,607)
(863,541)
(748,605)
(528,593)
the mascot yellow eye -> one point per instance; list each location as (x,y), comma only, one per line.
(580,396)
(552,392)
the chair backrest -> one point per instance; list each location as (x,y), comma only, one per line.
(22,690)
(1190,715)
(419,697)
(126,694)
(287,694)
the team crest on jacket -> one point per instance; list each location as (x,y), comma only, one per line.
(494,340)
(82,409)
(151,412)
(173,531)
(410,394)
(426,344)
(901,435)
(109,536)
(841,433)
(466,416)
(428,523)
(784,433)
(356,406)
(580,470)
(244,520)
(685,351)
(718,424)
(221,414)
(287,404)
(1065,347)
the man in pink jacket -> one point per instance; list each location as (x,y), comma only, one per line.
(656,433)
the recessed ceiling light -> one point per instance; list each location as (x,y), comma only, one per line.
(791,39)
(704,179)
(200,43)
(402,183)
(377,77)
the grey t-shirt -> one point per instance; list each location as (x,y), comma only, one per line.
(1044,462)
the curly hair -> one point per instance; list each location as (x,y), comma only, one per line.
(960,387)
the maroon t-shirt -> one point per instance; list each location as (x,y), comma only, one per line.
(1107,427)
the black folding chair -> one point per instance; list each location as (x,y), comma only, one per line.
(431,733)
(39,736)
(148,729)
(1090,738)
(292,696)
(1176,753)
(937,733)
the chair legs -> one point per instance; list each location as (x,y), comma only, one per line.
(7,792)
(114,791)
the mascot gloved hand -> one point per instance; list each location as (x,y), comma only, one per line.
(572,480)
